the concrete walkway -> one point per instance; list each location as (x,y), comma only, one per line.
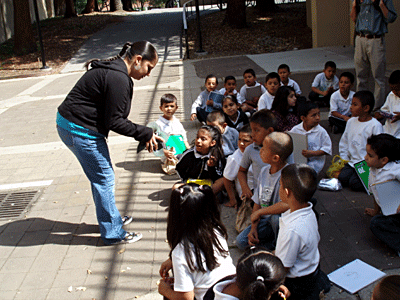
(53,251)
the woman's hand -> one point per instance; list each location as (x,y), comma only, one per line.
(165,267)
(151,145)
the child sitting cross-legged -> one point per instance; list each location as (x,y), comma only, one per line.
(277,147)
(383,153)
(319,142)
(353,143)
(250,79)
(298,236)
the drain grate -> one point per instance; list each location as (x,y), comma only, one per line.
(14,204)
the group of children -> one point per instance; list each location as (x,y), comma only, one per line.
(244,147)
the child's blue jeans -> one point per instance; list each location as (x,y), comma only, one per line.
(266,235)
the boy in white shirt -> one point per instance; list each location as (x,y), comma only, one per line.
(284,73)
(319,142)
(298,237)
(340,103)
(272,83)
(250,80)
(353,143)
(324,84)
(391,108)
(231,182)
(230,88)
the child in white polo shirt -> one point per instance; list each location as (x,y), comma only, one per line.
(319,142)
(298,237)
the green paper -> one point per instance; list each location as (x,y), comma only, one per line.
(362,171)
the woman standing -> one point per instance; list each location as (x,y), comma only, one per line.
(99,102)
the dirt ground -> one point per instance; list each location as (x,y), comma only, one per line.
(285,29)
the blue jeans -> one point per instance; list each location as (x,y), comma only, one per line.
(267,234)
(94,157)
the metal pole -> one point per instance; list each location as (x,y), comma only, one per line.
(40,35)
(200,51)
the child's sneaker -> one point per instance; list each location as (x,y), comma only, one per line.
(126,220)
(131,237)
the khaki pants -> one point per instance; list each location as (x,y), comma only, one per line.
(370,56)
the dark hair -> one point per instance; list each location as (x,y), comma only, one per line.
(167,98)
(281,144)
(229,78)
(250,71)
(394,77)
(366,98)
(194,220)
(280,103)
(143,48)
(259,274)
(272,75)
(232,97)
(245,129)
(284,66)
(387,289)
(330,64)
(216,136)
(305,107)
(216,116)
(301,179)
(211,76)
(385,145)
(265,118)
(348,75)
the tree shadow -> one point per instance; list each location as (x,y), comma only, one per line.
(148,165)
(163,195)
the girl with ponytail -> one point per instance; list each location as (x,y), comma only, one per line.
(99,102)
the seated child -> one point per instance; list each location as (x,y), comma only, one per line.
(298,236)
(387,289)
(284,73)
(262,123)
(234,116)
(205,160)
(272,83)
(230,89)
(230,136)
(319,142)
(284,108)
(199,106)
(231,182)
(340,103)
(324,84)
(354,139)
(168,123)
(250,80)
(391,108)
(277,147)
(383,153)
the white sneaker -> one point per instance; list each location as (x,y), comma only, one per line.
(131,237)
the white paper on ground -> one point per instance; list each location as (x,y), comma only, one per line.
(355,276)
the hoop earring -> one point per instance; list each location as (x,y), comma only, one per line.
(137,67)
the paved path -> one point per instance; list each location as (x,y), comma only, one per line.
(53,250)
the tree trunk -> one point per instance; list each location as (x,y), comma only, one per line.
(115,5)
(266,5)
(59,7)
(127,5)
(70,9)
(24,41)
(90,7)
(236,13)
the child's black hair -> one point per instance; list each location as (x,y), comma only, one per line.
(245,129)
(330,64)
(280,103)
(394,77)
(305,107)
(387,289)
(167,98)
(211,76)
(385,145)
(232,98)
(281,144)
(348,75)
(272,75)
(301,180)
(194,220)
(216,136)
(229,78)
(366,98)
(284,66)
(259,274)
(250,71)
(216,116)
(265,118)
